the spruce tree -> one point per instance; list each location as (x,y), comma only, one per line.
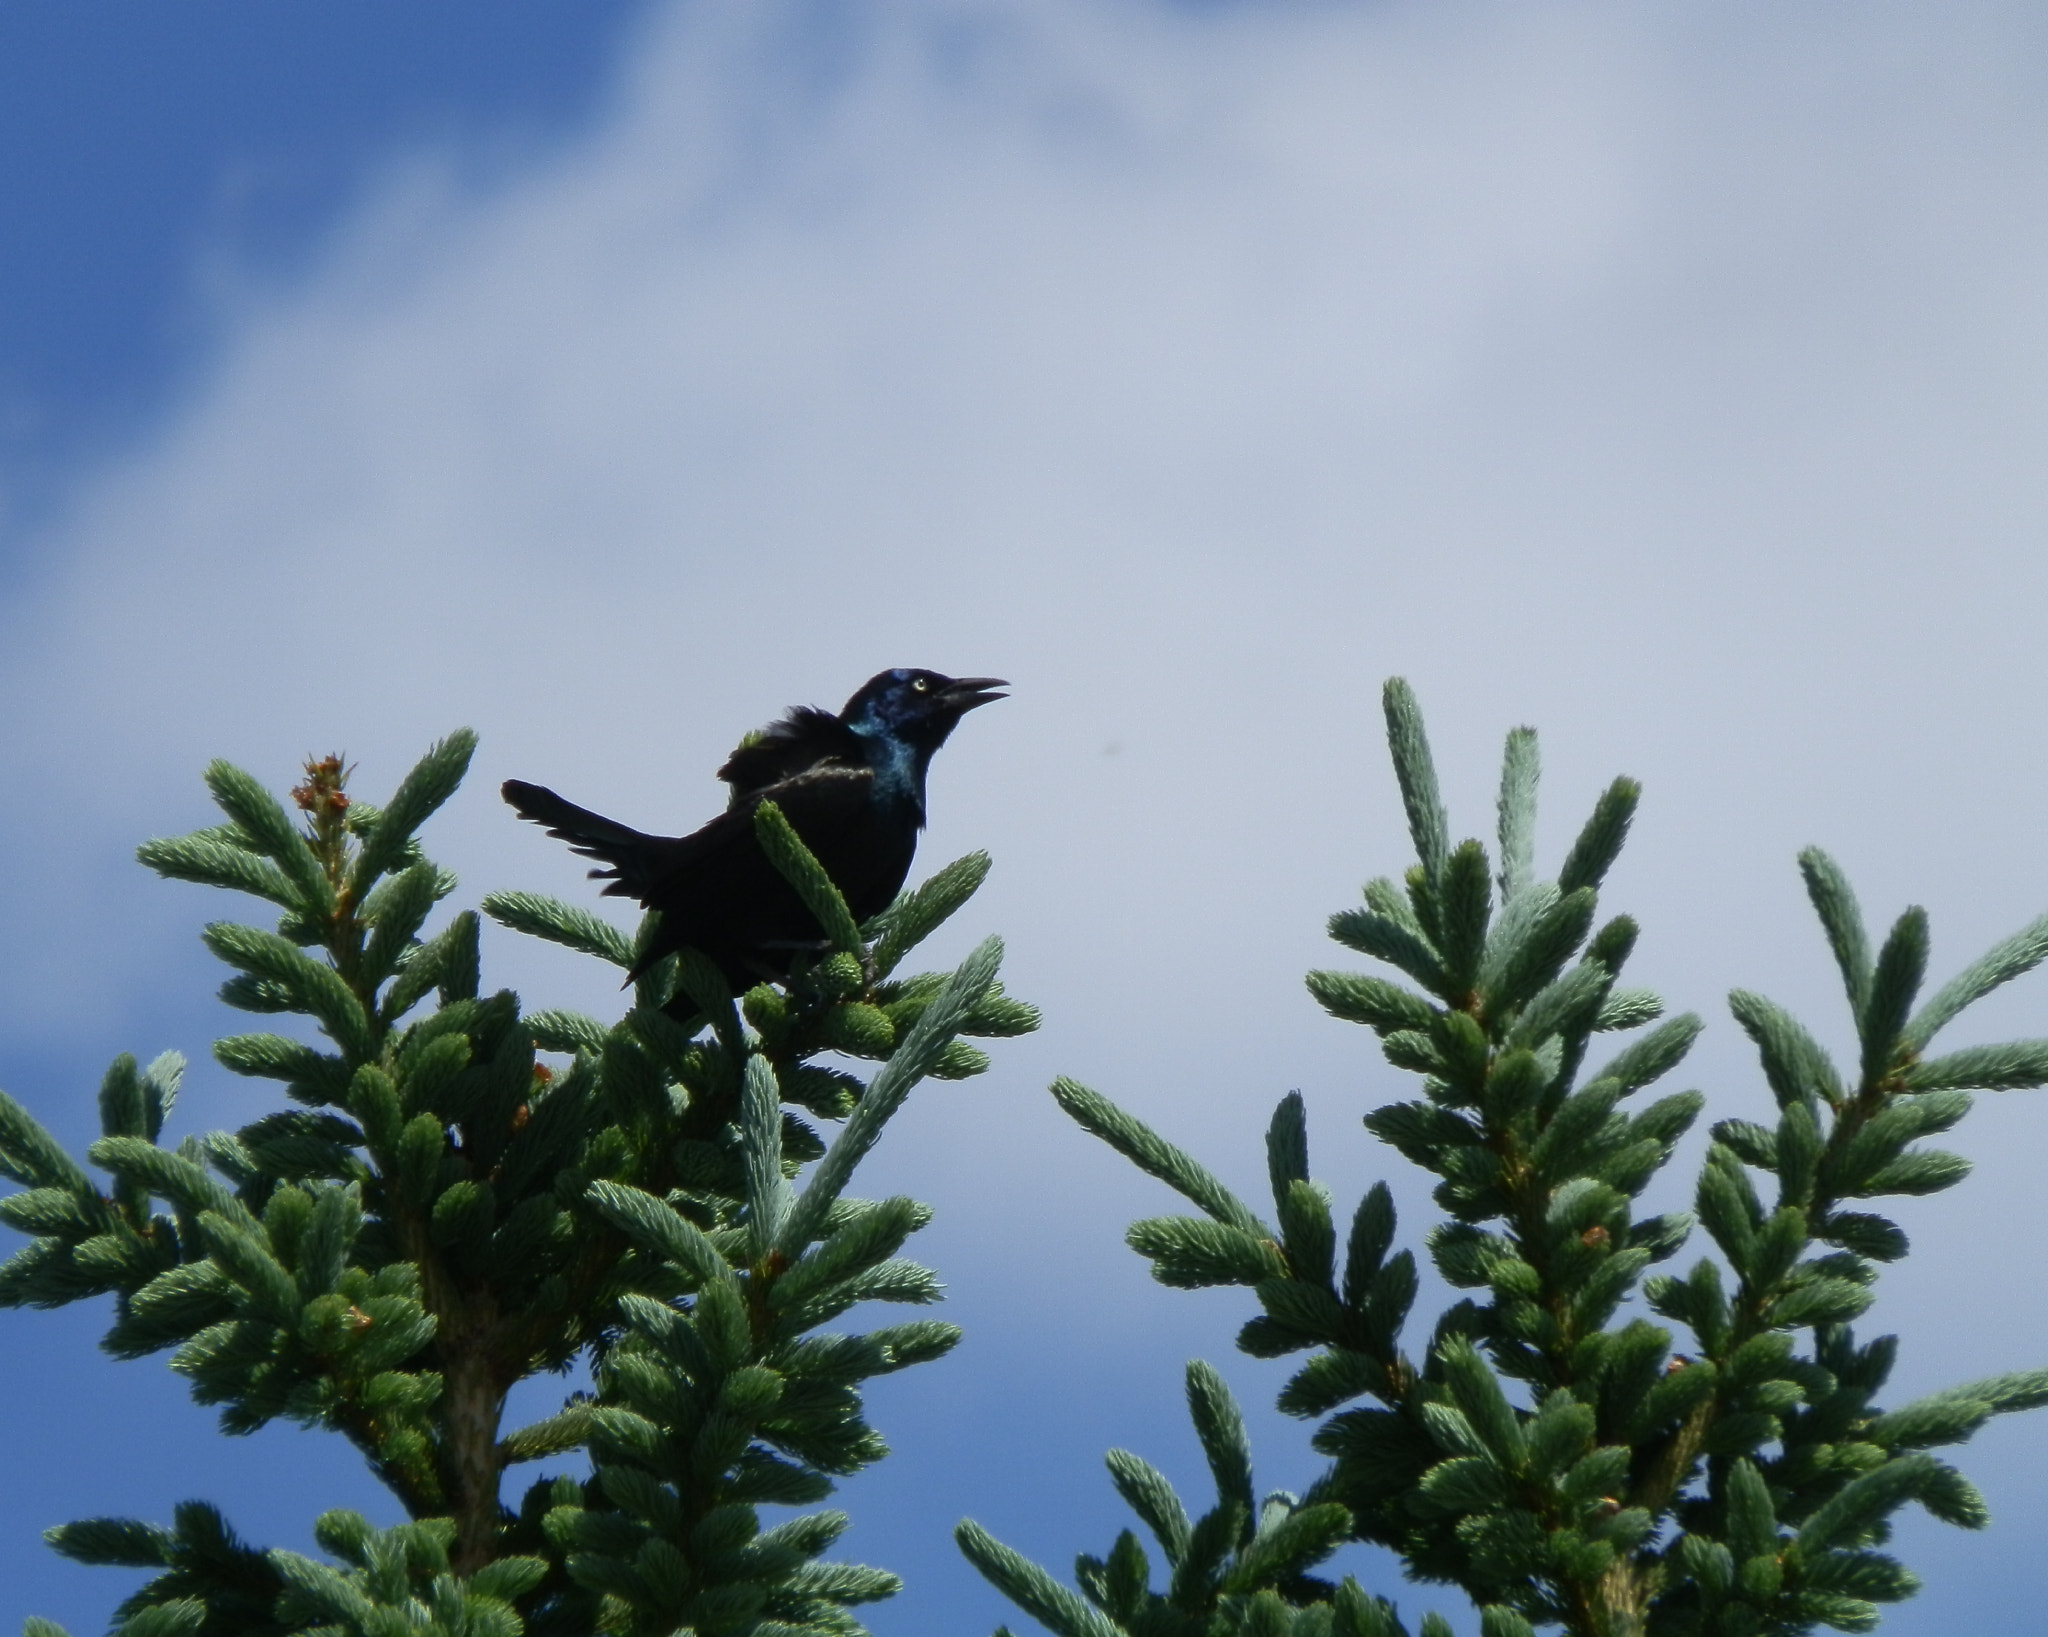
(467,1193)
(1585,1442)
(462,1193)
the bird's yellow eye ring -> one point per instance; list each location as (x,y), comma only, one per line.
(921,684)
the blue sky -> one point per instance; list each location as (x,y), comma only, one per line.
(609,377)
(151,151)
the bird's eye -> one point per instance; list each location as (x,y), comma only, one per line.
(921,684)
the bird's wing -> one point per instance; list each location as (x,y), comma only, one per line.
(637,860)
(804,739)
(865,845)
(821,794)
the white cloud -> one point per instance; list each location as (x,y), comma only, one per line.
(1672,377)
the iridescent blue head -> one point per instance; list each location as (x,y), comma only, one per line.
(919,707)
(905,715)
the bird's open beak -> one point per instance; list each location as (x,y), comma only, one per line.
(969,691)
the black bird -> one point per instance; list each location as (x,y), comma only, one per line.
(851,785)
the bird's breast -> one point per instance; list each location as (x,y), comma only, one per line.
(868,858)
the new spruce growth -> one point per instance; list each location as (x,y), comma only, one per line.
(442,1214)
(1547,1446)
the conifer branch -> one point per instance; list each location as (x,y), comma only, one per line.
(1555,1458)
(450,1216)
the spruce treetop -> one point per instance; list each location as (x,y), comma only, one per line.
(1586,1441)
(463,1193)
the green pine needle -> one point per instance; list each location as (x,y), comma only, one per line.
(1520,771)
(1428,825)
(260,817)
(1600,842)
(1835,903)
(431,782)
(1153,1155)
(540,916)
(2020,953)
(799,866)
(1030,1587)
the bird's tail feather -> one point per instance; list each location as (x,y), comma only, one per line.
(629,852)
